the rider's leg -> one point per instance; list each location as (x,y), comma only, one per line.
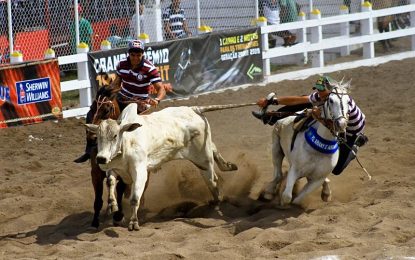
(89,142)
(345,154)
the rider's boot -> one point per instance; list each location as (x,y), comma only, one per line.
(88,149)
(361,140)
(266,119)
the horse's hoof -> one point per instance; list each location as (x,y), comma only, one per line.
(95,223)
(218,210)
(114,208)
(283,206)
(118,223)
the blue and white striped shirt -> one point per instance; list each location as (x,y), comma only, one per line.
(357,119)
(176,19)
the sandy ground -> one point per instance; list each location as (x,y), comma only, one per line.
(46,200)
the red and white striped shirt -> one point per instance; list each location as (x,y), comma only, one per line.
(136,82)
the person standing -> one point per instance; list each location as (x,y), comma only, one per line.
(174,22)
(270,9)
(86,34)
(133,22)
(289,14)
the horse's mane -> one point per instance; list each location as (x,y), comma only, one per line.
(342,86)
(105,91)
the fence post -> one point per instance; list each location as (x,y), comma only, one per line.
(367,29)
(262,21)
(302,35)
(16,57)
(412,25)
(144,38)
(345,31)
(49,54)
(105,45)
(85,99)
(316,37)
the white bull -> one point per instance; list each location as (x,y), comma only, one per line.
(136,144)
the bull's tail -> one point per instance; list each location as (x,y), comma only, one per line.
(203,109)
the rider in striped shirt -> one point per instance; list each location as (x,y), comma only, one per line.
(133,79)
(354,129)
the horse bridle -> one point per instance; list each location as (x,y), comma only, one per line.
(102,101)
(331,123)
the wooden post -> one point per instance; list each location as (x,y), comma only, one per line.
(345,31)
(367,29)
(316,37)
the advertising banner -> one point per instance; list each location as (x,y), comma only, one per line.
(30,93)
(194,65)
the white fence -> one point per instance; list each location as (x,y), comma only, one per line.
(316,45)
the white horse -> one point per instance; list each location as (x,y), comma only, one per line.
(314,153)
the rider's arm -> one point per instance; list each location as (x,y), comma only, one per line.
(161,91)
(167,29)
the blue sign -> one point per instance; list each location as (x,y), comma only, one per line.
(33,91)
(4,93)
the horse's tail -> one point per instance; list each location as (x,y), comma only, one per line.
(203,109)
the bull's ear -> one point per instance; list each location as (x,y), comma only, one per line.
(92,128)
(130,127)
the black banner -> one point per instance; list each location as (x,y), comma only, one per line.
(195,65)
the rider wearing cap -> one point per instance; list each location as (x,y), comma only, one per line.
(323,86)
(134,77)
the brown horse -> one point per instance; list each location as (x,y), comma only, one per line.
(104,107)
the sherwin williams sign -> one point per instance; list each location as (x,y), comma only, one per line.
(30,93)
(33,91)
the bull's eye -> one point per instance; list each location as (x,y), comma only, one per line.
(115,137)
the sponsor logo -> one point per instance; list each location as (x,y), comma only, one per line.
(33,91)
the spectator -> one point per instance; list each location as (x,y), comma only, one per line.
(133,23)
(270,9)
(288,14)
(114,39)
(174,22)
(86,34)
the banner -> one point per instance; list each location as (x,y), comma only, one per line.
(30,93)
(194,65)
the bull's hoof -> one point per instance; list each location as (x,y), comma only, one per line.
(133,226)
(266,197)
(326,197)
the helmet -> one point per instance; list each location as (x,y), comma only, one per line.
(323,83)
(135,46)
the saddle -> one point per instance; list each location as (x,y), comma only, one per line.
(301,123)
